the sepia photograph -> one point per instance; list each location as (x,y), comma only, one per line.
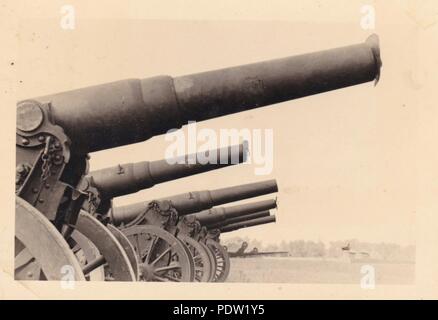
(226,145)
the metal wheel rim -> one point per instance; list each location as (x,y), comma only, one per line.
(38,238)
(128,247)
(86,252)
(222,260)
(169,259)
(212,258)
(201,259)
(113,253)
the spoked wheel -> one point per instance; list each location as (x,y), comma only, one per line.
(41,253)
(201,259)
(212,259)
(162,256)
(112,255)
(222,260)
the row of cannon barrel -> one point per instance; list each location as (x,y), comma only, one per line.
(65,220)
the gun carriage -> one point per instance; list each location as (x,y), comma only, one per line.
(56,133)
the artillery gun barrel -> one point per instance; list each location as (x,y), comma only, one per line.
(220,215)
(247,224)
(195,201)
(129,111)
(132,177)
(243,218)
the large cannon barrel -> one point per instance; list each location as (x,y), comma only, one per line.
(242,218)
(133,110)
(132,177)
(247,224)
(219,215)
(195,201)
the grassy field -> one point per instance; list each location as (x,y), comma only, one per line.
(308,270)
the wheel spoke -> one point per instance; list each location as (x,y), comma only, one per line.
(162,254)
(140,254)
(164,257)
(171,278)
(23,258)
(160,279)
(151,248)
(168,268)
(93,265)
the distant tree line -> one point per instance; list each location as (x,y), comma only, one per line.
(308,248)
